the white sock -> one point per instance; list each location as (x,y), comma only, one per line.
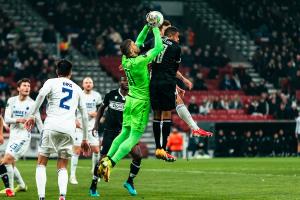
(95,158)
(185,115)
(62,181)
(74,162)
(10,174)
(18,177)
(41,179)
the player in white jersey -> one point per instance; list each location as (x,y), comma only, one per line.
(64,97)
(16,112)
(93,100)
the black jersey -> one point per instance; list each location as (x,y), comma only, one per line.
(166,64)
(115,101)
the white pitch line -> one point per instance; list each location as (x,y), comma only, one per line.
(210,172)
(198,172)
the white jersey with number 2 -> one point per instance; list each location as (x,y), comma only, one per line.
(64,97)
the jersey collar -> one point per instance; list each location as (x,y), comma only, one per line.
(119,90)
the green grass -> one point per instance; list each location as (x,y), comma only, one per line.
(246,178)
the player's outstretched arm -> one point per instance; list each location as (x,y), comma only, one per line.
(158,46)
(44,91)
(142,36)
(29,124)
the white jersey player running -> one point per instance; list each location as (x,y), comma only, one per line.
(16,112)
(64,97)
(93,100)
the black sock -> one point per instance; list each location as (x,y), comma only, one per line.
(95,177)
(166,129)
(113,163)
(157,132)
(4,176)
(134,170)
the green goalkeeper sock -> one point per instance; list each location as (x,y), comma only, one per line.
(118,140)
(127,145)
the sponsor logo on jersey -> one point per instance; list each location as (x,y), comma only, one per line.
(19,113)
(90,105)
(116,106)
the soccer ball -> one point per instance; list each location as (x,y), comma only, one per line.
(155,18)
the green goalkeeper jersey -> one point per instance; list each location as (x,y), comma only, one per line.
(136,68)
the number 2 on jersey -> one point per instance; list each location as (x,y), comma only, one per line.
(65,99)
(129,77)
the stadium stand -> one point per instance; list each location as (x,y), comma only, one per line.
(222,92)
(273,26)
(207,66)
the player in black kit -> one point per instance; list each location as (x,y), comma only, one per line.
(163,88)
(114,102)
(163,91)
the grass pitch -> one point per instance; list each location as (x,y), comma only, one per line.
(243,178)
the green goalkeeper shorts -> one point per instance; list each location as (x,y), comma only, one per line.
(136,113)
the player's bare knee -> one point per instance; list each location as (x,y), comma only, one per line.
(157,114)
(179,100)
(136,153)
(166,115)
(95,149)
(62,163)
(42,160)
(137,156)
(76,150)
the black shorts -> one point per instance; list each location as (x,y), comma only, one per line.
(108,138)
(162,96)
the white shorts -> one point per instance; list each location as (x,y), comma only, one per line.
(17,147)
(93,140)
(56,142)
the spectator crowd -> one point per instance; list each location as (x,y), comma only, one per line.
(273,24)
(18,59)
(278,105)
(255,143)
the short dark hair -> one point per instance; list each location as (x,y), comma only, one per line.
(23,80)
(125,47)
(172,30)
(63,67)
(165,23)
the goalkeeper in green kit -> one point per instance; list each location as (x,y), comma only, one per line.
(137,105)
